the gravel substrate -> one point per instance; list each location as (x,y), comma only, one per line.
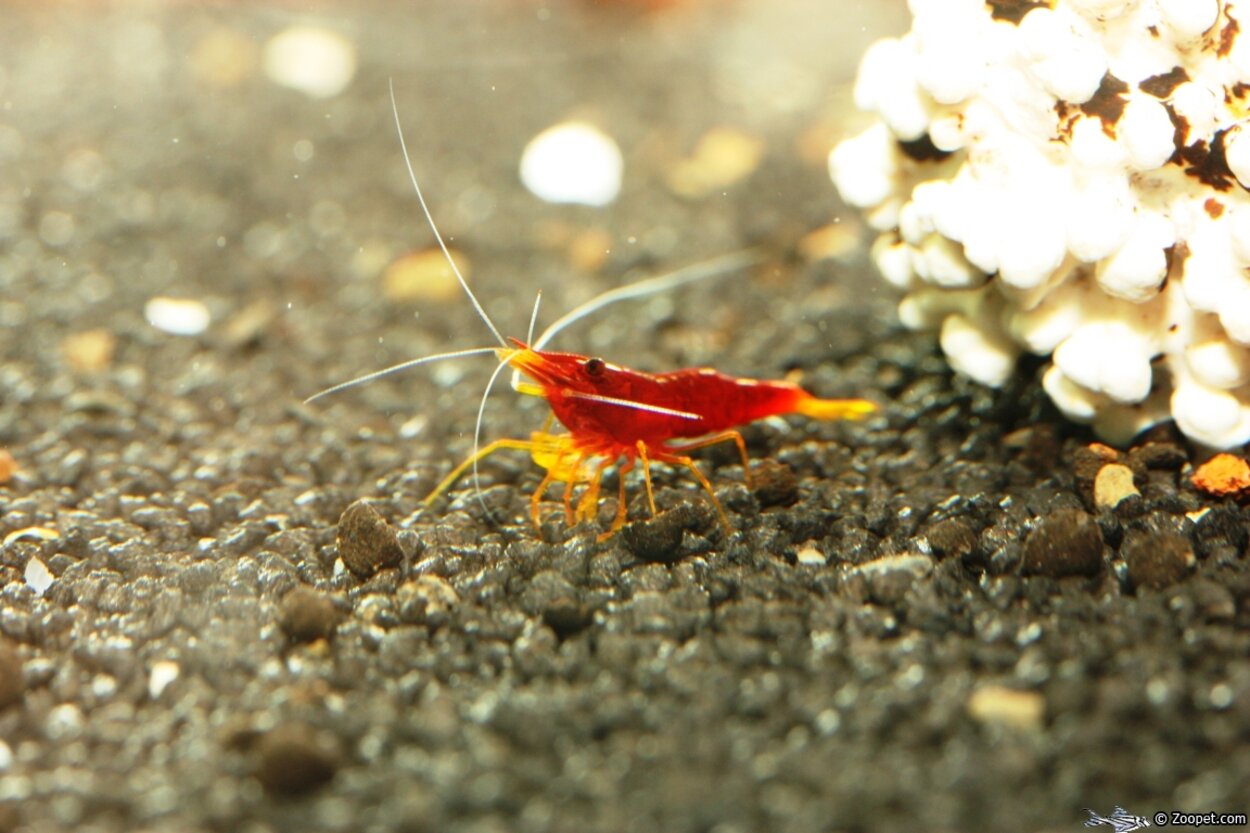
(222,609)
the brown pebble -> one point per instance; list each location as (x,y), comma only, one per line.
(1160,455)
(12,682)
(1223,475)
(659,538)
(1066,542)
(10,816)
(774,483)
(296,758)
(1086,463)
(1157,559)
(1113,484)
(306,615)
(427,600)
(952,538)
(367,543)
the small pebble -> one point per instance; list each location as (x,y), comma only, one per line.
(296,758)
(832,242)
(774,483)
(177,316)
(8,466)
(1009,707)
(426,600)
(1066,542)
(318,62)
(1113,483)
(723,156)
(12,684)
(223,58)
(809,555)
(306,615)
(38,577)
(89,351)
(424,276)
(161,677)
(367,543)
(1223,475)
(573,163)
(1157,559)
(1160,455)
(659,539)
(952,538)
(887,579)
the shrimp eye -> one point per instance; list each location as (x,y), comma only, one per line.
(594,367)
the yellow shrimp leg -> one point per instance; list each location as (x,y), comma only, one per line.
(646,475)
(621,508)
(681,459)
(715,439)
(483,452)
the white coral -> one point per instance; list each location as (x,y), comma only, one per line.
(1071,178)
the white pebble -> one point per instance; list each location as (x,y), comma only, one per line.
(162,674)
(573,163)
(6,756)
(38,577)
(318,62)
(179,316)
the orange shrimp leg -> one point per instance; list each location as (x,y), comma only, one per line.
(588,504)
(646,474)
(621,507)
(672,459)
(723,437)
(485,451)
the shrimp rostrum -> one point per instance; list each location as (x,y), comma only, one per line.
(612,414)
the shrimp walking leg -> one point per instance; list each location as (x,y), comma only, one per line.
(481,453)
(646,475)
(716,439)
(681,459)
(621,507)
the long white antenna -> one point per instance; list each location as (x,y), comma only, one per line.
(477,434)
(538,299)
(715,267)
(395,368)
(412,175)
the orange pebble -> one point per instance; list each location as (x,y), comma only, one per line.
(1222,475)
(8,466)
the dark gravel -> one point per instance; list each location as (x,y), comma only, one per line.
(921,622)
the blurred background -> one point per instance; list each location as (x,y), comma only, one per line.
(215,193)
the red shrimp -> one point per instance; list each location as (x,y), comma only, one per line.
(613,413)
